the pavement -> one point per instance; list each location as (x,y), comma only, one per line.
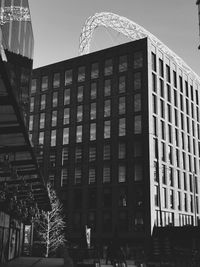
(34,262)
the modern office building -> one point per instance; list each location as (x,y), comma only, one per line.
(22,188)
(118,134)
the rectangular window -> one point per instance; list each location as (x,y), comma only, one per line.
(42,120)
(121,151)
(123,63)
(122,84)
(42,102)
(79,113)
(137,148)
(65,155)
(79,133)
(181,84)
(153,61)
(106,174)
(161,69)
(106,152)
(171,198)
(66,116)
(137,80)
(78,153)
(68,77)
(122,105)
(44,83)
(138,176)
(93,111)
(175,78)
(81,74)
(92,175)
(93,90)
(137,102)
(107,87)
(64,177)
(66,97)
(122,127)
(168,76)
(53,138)
(33,86)
(107,129)
(80,93)
(41,138)
(32,104)
(56,80)
(138,60)
(121,173)
(54,118)
(55,99)
(95,71)
(107,108)
(92,153)
(92,131)
(108,68)
(138,124)
(65,136)
(78,175)
(31,123)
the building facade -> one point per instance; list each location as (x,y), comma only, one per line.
(117,132)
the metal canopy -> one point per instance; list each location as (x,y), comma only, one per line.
(18,164)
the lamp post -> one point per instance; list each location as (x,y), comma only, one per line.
(198,4)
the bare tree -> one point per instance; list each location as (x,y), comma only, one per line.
(50,225)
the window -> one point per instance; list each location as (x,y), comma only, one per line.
(137,102)
(121,173)
(65,155)
(80,93)
(66,116)
(44,83)
(106,174)
(138,124)
(122,84)
(42,120)
(52,157)
(161,70)
(123,220)
(66,97)
(106,152)
(108,69)
(93,90)
(78,175)
(79,113)
(55,99)
(53,137)
(31,123)
(138,176)
(92,153)
(122,197)
(32,104)
(92,131)
(107,108)
(122,105)
(56,80)
(121,151)
(92,111)
(106,129)
(107,221)
(78,153)
(175,78)
(91,220)
(42,102)
(137,80)
(54,118)
(33,86)
(41,138)
(122,127)
(68,77)
(95,71)
(171,198)
(137,148)
(123,63)
(107,197)
(92,175)
(154,82)
(64,177)
(153,61)
(81,74)
(65,136)
(79,133)
(168,77)
(138,60)
(107,87)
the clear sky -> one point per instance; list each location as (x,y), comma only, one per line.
(57,26)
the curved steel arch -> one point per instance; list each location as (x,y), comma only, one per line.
(128,28)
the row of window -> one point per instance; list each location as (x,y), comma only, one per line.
(81,75)
(92,135)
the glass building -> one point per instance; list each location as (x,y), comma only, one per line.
(117,132)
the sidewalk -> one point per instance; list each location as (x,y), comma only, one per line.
(34,262)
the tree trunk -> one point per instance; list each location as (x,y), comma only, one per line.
(47,243)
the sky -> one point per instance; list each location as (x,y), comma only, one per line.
(57,26)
